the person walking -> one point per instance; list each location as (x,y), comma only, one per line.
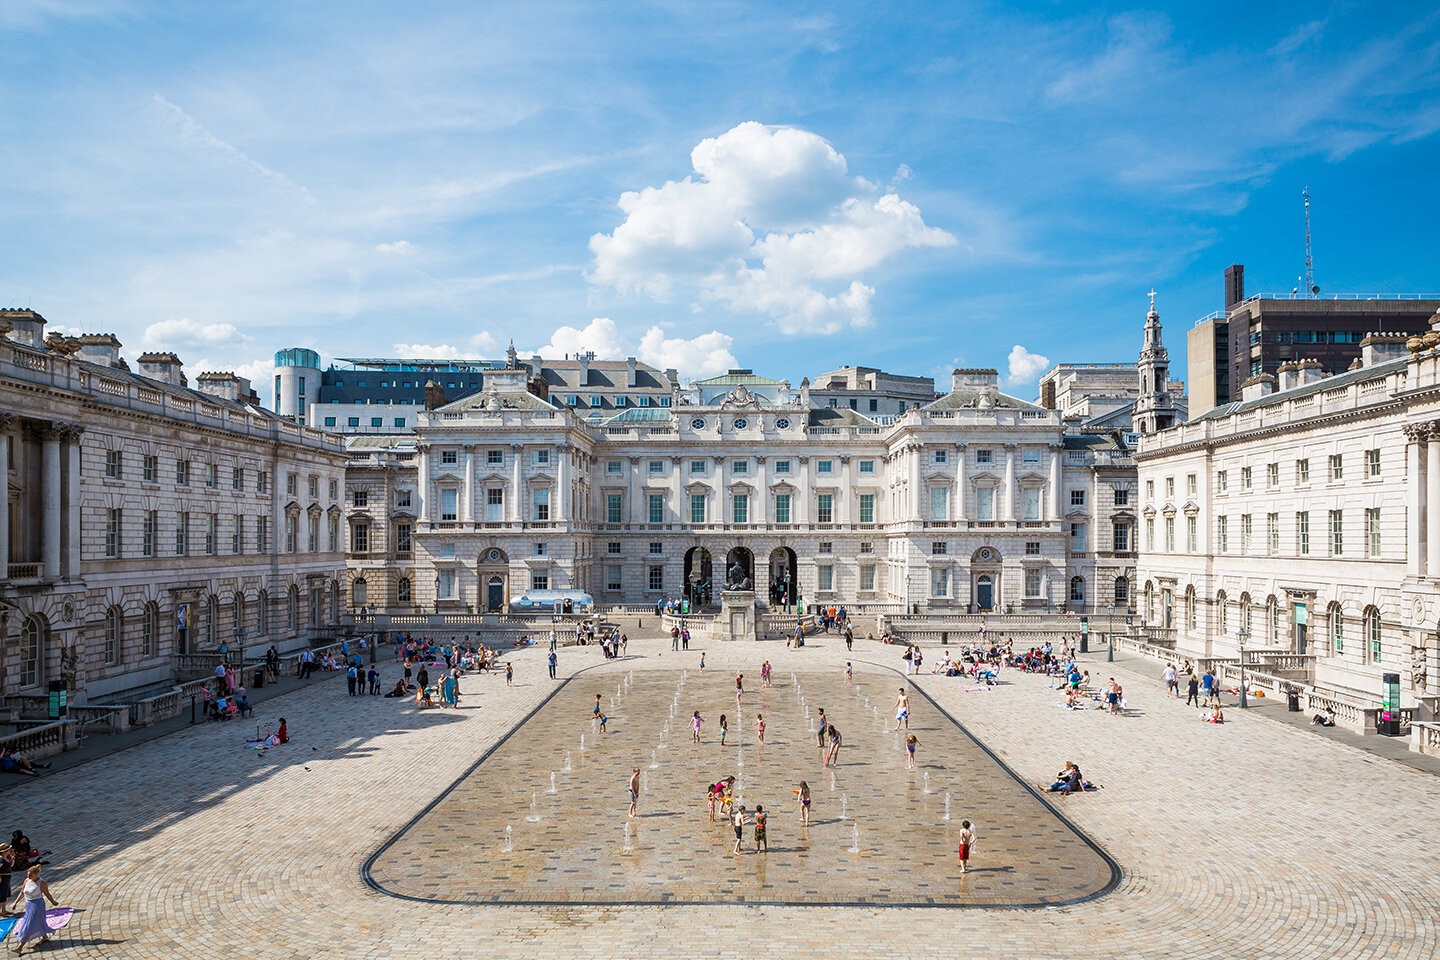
(849,637)
(32,926)
(902,710)
(911,742)
(553,661)
(352,678)
(634,791)
(967,843)
(1172,680)
(1193,685)
(674,639)
(509,674)
(685,639)
(802,797)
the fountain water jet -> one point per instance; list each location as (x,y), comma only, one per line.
(533,817)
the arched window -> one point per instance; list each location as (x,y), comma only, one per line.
(1272,618)
(1077,589)
(262,614)
(1190,613)
(114,634)
(1222,611)
(149,629)
(292,609)
(402,590)
(212,621)
(1337,629)
(32,651)
(1245,612)
(1149,601)
(1372,634)
(1122,590)
(357,592)
(238,614)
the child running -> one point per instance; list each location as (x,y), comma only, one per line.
(739,688)
(902,710)
(760,731)
(724,729)
(911,742)
(802,797)
(849,673)
(695,722)
(967,841)
(760,817)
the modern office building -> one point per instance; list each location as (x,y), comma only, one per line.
(1255,334)
(871,391)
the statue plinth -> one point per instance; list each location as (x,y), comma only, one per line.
(737,615)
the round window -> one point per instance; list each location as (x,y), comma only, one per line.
(494,556)
(741,423)
(697,424)
(782,424)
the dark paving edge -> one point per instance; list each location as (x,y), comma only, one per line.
(367,875)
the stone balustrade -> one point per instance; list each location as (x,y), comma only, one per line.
(1425,738)
(45,740)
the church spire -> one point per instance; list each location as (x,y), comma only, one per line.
(1155,409)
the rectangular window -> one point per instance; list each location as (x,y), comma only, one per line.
(449,456)
(289,484)
(1337,467)
(613,505)
(1169,488)
(697,466)
(826,546)
(657,578)
(1150,533)
(449,504)
(782,466)
(540,504)
(353,422)
(291,532)
(1120,535)
(1272,474)
(939,503)
(1032,548)
(1372,530)
(1222,480)
(210,547)
(538,581)
(867,466)
(237,478)
(399,421)
(262,482)
(1078,538)
(402,498)
(1246,529)
(938,548)
(494,505)
(312,537)
(697,508)
(1077,498)
(333,531)
(824,508)
(1169,534)
(1032,583)
(867,577)
(1302,533)
(237,534)
(613,467)
(941,456)
(112,464)
(445,588)
(656,547)
(825,577)
(866,546)
(361,497)
(182,534)
(148,468)
(1149,489)
(740,508)
(495,458)
(1030,503)
(1032,456)
(741,466)
(985,503)
(314,488)
(402,538)
(657,508)
(1122,497)
(1222,534)
(1245,478)
(1272,533)
(1302,471)
(782,508)
(867,508)
(984,456)
(147,540)
(1191,485)
(541,549)
(359,538)
(613,548)
(1337,532)
(613,579)
(182,472)
(1372,463)
(656,466)
(262,534)
(940,582)
(825,466)
(212,475)
(112,533)
(542,458)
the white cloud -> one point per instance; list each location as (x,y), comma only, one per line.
(600,335)
(192,131)
(771,222)
(1025,366)
(180,333)
(707,355)
(428,351)
(399,246)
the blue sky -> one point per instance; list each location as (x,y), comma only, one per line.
(792,187)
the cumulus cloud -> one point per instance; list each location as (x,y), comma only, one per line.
(481,346)
(770,222)
(181,333)
(701,356)
(600,335)
(1025,366)
(399,246)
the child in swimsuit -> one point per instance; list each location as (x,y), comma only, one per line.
(760,818)
(760,728)
(911,741)
(739,821)
(603,720)
(967,840)
(724,729)
(695,722)
(802,796)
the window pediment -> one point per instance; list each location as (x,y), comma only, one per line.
(985,476)
(1149,511)
(1191,508)
(697,487)
(1169,510)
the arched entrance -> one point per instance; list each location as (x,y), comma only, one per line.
(740,569)
(985,580)
(782,577)
(699,578)
(493,576)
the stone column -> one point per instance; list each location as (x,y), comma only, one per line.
(957,496)
(844,494)
(7,420)
(800,509)
(50,501)
(758,508)
(73,501)
(680,509)
(422,451)
(1432,504)
(914,453)
(1010,482)
(1056,509)
(517,457)
(1415,504)
(467,509)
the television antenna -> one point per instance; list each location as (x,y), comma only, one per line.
(1311,289)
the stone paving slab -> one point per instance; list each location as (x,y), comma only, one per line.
(1250,840)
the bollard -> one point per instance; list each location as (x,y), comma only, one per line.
(192,708)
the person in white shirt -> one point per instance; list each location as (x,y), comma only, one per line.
(1172,680)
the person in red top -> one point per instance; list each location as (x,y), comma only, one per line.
(283,734)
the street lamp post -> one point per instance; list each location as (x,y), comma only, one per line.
(437,595)
(240,647)
(1241,635)
(1110,634)
(374,635)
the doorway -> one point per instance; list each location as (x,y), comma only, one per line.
(984,594)
(495,594)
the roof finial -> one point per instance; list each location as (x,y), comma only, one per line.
(1152,298)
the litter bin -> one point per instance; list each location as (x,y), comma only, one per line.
(1293,698)
(259,677)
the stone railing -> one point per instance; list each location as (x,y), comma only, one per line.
(102,719)
(1154,652)
(45,740)
(166,705)
(1295,666)
(189,665)
(1425,738)
(23,571)
(783,624)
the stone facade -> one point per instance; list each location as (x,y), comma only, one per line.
(1310,518)
(148,520)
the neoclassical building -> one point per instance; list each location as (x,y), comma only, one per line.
(148,520)
(1309,518)
(975,501)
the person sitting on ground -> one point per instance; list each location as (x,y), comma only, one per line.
(242,703)
(399,690)
(1326,718)
(1068,781)
(283,734)
(11,762)
(1216,714)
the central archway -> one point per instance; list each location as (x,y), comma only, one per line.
(782,577)
(699,580)
(740,569)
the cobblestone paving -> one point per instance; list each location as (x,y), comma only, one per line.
(542,819)
(1248,840)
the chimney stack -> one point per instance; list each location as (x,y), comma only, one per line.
(434,395)
(1379,347)
(1289,374)
(101,348)
(165,367)
(25,327)
(1261,385)
(629,371)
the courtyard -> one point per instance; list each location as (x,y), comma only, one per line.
(1252,839)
